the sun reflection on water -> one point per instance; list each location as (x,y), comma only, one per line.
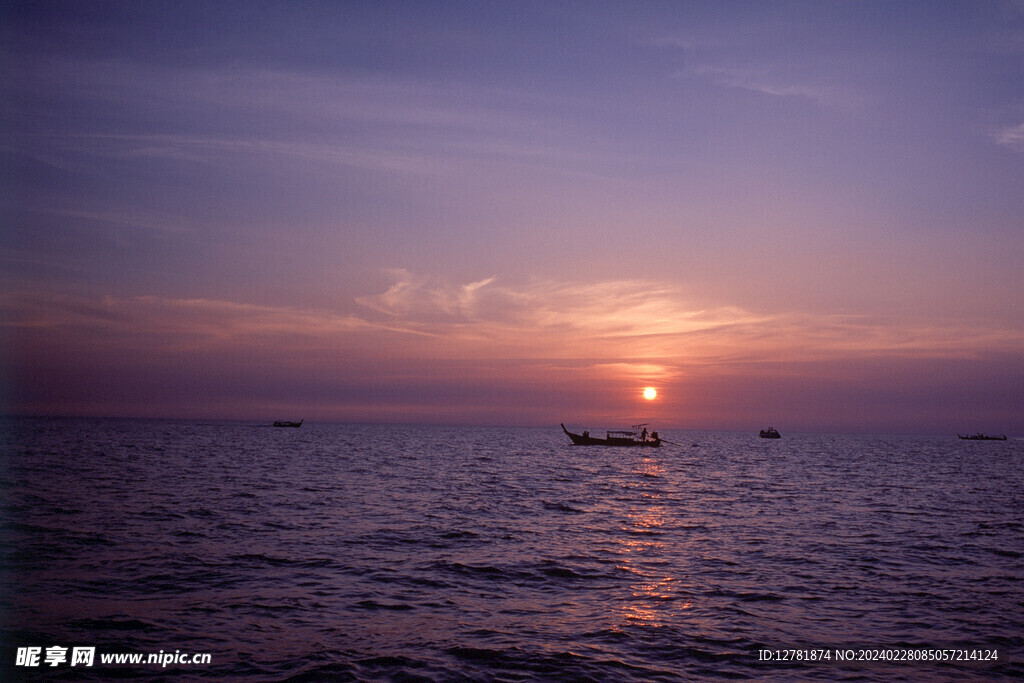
(655,591)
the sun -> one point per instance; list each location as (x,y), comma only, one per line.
(650,393)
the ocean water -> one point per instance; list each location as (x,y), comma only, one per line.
(355,552)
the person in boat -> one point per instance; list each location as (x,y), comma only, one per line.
(654,435)
(586,434)
(643,435)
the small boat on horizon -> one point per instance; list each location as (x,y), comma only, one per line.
(982,437)
(285,423)
(770,433)
(637,436)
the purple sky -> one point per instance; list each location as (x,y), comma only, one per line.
(803,213)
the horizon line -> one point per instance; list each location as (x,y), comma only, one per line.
(383,423)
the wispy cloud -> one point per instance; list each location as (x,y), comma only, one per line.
(611,322)
(420,300)
(167,324)
(1011,136)
(67,150)
(124,220)
(656,322)
(377,122)
(765,82)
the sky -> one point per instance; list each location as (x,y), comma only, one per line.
(805,214)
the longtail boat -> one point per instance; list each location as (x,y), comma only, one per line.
(637,436)
(283,423)
(982,437)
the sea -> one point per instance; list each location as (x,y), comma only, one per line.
(173,550)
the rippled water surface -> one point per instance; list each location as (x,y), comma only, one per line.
(430,553)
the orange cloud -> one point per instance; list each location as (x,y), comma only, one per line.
(649,327)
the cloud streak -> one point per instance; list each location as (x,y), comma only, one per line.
(1011,136)
(762,81)
(372,122)
(614,322)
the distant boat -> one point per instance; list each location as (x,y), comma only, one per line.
(982,437)
(637,436)
(283,423)
(770,433)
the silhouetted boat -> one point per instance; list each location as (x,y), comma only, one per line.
(637,436)
(770,433)
(284,423)
(982,437)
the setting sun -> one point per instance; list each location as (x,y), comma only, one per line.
(650,393)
